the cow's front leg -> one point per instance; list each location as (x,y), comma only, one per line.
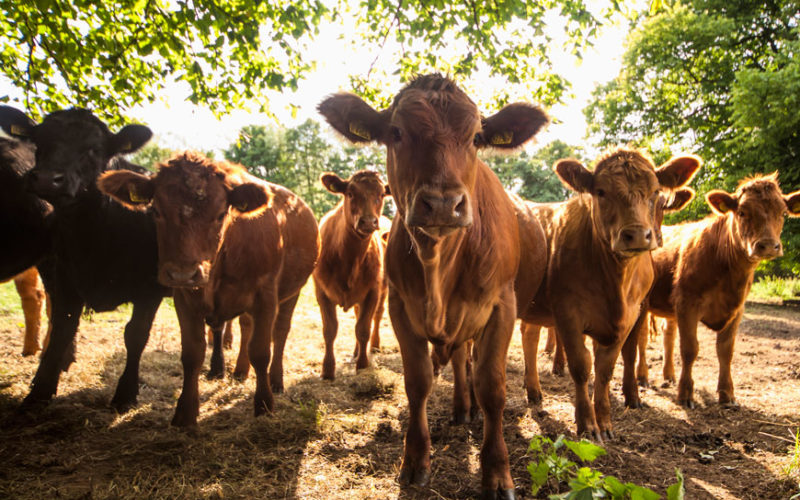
(579,361)
(189,307)
(264,312)
(491,348)
(462,389)
(242,367)
(726,339)
(365,314)
(604,359)
(330,327)
(137,332)
(669,351)
(418,379)
(687,329)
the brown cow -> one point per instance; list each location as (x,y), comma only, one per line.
(221,338)
(350,267)
(672,201)
(32,295)
(599,267)
(453,252)
(222,264)
(704,272)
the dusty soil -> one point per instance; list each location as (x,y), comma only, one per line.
(344,439)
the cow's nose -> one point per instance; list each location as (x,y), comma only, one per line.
(46,181)
(431,208)
(635,239)
(768,248)
(367,224)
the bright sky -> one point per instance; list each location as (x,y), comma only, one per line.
(178,124)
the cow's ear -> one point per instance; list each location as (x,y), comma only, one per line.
(511,127)
(248,197)
(386,190)
(15,123)
(721,202)
(129,139)
(793,203)
(679,199)
(678,170)
(356,120)
(574,175)
(333,183)
(133,190)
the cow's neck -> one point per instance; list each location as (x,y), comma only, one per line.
(727,246)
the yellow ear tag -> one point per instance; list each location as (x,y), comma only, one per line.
(126,147)
(359,130)
(242,207)
(796,208)
(134,196)
(723,207)
(502,138)
(17,130)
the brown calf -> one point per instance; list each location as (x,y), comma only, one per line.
(453,252)
(704,272)
(350,267)
(222,264)
(599,267)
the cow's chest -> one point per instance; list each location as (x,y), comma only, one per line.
(347,282)
(721,303)
(463,319)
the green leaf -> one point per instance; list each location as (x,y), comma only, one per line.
(676,491)
(585,450)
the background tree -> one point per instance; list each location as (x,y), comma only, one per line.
(116,54)
(532,177)
(296,157)
(718,78)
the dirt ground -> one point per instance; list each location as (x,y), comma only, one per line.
(344,439)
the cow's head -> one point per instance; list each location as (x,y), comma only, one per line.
(73,148)
(756,213)
(363,194)
(432,133)
(627,197)
(190,199)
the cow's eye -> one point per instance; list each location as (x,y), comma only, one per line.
(742,214)
(477,140)
(221,216)
(600,193)
(397,134)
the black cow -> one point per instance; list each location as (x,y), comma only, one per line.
(22,214)
(102,254)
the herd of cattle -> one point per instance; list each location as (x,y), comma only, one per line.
(462,262)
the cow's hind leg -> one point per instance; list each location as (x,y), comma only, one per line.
(632,345)
(283,323)
(137,332)
(462,385)
(216,368)
(31,295)
(530,350)
(242,367)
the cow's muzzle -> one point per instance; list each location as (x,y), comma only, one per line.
(765,249)
(439,213)
(633,240)
(183,276)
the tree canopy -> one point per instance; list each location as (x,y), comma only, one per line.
(116,54)
(716,77)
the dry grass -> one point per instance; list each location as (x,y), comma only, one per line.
(344,439)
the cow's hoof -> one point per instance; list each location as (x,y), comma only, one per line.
(122,404)
(534,397)
(461,418)
(411,477)
(184,421)
(729,405)
(688,403)
(607,435)
(499,494)
(239,376)
(635,404)
(215,374)
(643,382)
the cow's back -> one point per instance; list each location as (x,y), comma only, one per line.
(276,245)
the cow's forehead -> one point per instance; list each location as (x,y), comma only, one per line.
(436,114)
(184,182)
(761,192)
(627,172)
(71,127)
